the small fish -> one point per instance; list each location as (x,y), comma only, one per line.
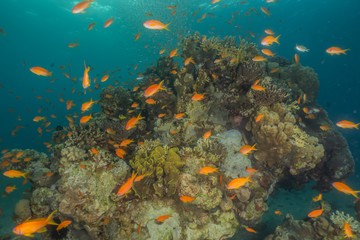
(9,189)
(318,212)
(246,149)
(94,151)
(207,134)
(86,79)
(207,170)
(239,182)
(108,22)
(120,152)
(336,50)
(150,101)
(2,31)
(259,59)
(278,212)
(49,174)
(80,7)
(186,199)
(296,58)
(139,178)
(154,24)
(189,60)
(15,174)
(342,187)
(110,131)
(266,11)
(269,40)
(126,142)
(73,45)
(269,32)
(151,90)
(29,227)
(91,26)
(259,117)
(161,219)
(126,187)
(215,1)
(197,97)
(317,198)
(268,52)
(250,230)
(161,115)
(132,122)
(250,170)
(179,115)
(274,70)
(87,105)
(85,119)
(347,124)
(41,71)
(104,78)
(347,231)
(258,88)
(324,127)
(138,229)
(173,53)
(301,48)
(63,224)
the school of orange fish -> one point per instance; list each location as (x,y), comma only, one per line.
(31,226)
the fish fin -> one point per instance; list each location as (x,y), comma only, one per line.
(29,235)
(160,85)
(344,51)
(50,217)
(41,230)
(165,27)
(357,126)
(276,39)
(253,147)
(354,193)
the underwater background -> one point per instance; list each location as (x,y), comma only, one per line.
(38,34)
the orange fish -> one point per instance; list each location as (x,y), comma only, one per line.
(278,212)
(69,104)
(318,212)
(126,187)
(151,90)
(186,199)
(250,170)
(8,155)
(94,151)
(14,174)
(238,182)
(268,31)
(267,52)
(80,7)
(108,22)
(87,105)
(49,174)
(161,219)
(336,50)
(126,142)
(139,178)
(19,154)
(207,134)
(161,115)
(347,231)
(138,229)
(162,51)
(14,160)
(175,131)
(173,53)
(154,24)
(259,59)
(104,78)
(347,124)
(4,164)
(189,60)
(324,127)
(274,70)
(269,40)
(9,189)
(86,79)
(120,153)
(110,131)
(250,230)
(106,220)
(259,117)
(85,119)
(215,1)
(297,58)
(207,170)
(197,97)
(132,122)
(63,224)
(342,187)
(29,227)
(41,71)
(179,115)
(245,150)
(150,101)
(317,198)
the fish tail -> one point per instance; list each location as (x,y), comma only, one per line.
(49,218)
(344,51)
(160,85)
(253,147)
(165,27)
(357,126)
(140,117)
(276,39)
(354,193)
(84,63)
(50,73)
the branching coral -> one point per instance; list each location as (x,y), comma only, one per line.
(114,101)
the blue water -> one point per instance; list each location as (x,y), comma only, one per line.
(39,31)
